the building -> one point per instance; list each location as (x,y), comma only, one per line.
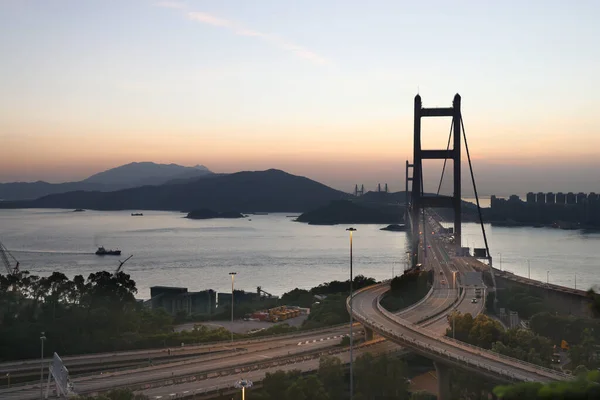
(240,297)
(581,198)
(560,198)
(178,299)
(540,198)
(571,199)
(550,199)
(531,197)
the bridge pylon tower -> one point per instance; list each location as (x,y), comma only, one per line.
(418,202)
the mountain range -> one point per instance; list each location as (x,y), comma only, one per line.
(248,191)
(126,176)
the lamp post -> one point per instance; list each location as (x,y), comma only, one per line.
(42,338)
(500,254)
(243,384)
(575,281)
(547,277)
(233,274)
(351,295)
(528,270)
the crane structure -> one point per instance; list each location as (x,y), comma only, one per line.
(259,290)
(6,257)
(121,264)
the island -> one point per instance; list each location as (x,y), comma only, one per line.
(205,213)
(349,212)
(394,228)
(79,210)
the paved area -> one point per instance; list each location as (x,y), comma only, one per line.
(241,326)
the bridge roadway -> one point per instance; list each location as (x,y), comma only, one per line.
(205,349)
(430,342)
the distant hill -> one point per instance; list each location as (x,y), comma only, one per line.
(145,173)
(349,212)
(123,177)
(258,191)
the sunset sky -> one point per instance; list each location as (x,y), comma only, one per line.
(318,88)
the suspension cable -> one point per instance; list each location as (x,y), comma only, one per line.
(474,187)
(446,158)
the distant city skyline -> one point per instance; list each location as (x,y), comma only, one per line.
(322,89)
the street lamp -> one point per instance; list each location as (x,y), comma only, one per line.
(351,360)
(547,277)
(42,338)
(233,274)
(243,384)
(500,254)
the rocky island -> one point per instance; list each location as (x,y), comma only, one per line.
(348,212)
(394,228)
(205,213)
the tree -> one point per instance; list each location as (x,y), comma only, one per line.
(380,378)
(582,388)
(422,395)
(331,373)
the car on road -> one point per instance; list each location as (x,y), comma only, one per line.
(473,300)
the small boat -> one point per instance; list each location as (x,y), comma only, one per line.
(79,210)
(137,214)
(103,252)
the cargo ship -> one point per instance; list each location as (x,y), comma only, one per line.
(103,252)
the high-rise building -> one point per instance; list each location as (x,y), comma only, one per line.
(550,199)
(581,197)
(540,198)
(560,198)
(571,199)
(531,197)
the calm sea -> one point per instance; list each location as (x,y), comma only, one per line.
(270,251)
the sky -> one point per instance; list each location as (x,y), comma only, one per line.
(318,88)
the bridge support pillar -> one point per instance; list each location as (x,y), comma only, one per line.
(443,377)
(368,334)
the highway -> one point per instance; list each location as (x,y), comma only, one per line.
(429,341)
(431,344)
(263,351)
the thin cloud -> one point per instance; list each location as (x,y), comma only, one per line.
(274,40)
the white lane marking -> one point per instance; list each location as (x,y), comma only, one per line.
(265,356)
(186,391)
(320,340)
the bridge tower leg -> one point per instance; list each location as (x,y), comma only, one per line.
(418,201)
(443,378)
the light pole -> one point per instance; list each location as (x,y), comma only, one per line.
(547,277)
(243,384)
(528,270)
(575,281)
(351,359)
(500,254)
(233,274)
(42,338)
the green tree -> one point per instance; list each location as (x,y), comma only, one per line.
(381,377)
(582,388)
(331,373)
